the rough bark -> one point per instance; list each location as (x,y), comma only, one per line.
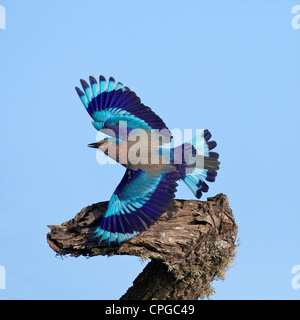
(192,244)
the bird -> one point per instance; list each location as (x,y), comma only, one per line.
(147,187)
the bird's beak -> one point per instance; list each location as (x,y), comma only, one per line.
(94,145)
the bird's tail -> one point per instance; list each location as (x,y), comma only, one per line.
(196,162)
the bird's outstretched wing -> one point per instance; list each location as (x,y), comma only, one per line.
(110,103)
(138,201)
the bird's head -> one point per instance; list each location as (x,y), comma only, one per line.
(104,144)
(98,144)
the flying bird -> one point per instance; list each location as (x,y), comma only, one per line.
(148,186)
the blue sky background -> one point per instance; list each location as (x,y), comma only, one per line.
(229,66)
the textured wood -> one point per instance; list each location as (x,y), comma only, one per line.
(191,244)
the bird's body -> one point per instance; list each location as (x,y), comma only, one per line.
(137,138)
(125,153)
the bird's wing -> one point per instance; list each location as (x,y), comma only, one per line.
(138,201)
(111,104)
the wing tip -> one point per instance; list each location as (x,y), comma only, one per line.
(84,84)
(92,80)
(102,78)
(79,91)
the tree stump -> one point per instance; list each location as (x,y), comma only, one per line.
(192,244)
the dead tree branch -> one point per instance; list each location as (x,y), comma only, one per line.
(192,244)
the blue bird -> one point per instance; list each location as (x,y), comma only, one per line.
(148,187)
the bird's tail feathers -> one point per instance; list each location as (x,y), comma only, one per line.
(198,163)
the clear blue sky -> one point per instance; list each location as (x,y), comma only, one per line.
(229,66)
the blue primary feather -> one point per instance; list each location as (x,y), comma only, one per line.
(110,102)
(138,201)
